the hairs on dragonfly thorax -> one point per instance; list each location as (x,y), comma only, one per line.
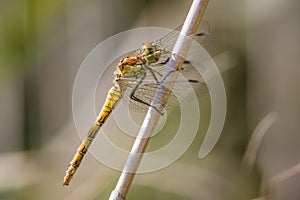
(129,66)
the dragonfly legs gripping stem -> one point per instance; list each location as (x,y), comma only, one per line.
(138,99)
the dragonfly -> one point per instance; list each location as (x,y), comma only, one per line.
(137,77)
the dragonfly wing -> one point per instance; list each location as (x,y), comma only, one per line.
(145,93)
(188,77)
(202,36)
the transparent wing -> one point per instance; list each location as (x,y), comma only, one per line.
(203,36)
(145,93)
(189,78)
(188,81)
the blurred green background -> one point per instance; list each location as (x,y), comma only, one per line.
(43,43)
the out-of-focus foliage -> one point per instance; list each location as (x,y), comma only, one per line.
(21,24)
(43,43)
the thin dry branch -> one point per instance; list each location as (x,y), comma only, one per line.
(189,27)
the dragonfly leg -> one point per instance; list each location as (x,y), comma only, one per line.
(152,71)
(168,74)
(143,102)
(140,100)
(164,62)
(167,60)
(171,71)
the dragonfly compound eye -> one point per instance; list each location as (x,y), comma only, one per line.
(150,52)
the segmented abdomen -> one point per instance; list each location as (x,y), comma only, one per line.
(113,96)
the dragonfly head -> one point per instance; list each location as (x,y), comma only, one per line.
(150,52)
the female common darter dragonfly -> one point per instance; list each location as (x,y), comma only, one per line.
(136,79)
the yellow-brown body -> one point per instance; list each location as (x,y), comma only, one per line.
(130,67)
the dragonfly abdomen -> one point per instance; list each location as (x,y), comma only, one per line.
(113,96)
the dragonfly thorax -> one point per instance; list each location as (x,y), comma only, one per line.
(149,52)
(129,69)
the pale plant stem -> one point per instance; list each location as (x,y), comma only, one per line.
(256,139)
(251,151)
(269,183)
(181,47)
(251,154)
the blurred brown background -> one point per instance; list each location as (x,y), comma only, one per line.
(42,44)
